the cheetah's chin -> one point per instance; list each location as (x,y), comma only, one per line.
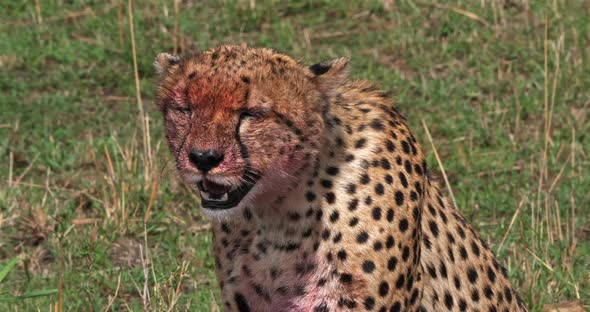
(220,197)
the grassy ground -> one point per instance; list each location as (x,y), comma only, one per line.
(91,216)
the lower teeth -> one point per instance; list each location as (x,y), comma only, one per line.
(205,195)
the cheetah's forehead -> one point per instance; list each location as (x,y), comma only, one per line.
(224,75)
(235,63)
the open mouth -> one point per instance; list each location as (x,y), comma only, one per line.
(218,196)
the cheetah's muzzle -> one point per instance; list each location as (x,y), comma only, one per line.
(220,197)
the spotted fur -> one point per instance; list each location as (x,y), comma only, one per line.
(343,213)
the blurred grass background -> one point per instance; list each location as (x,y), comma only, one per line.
(93,218)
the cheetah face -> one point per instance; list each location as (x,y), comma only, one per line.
(241,123)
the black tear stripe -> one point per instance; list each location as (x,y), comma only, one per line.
(241,302)
(190,129)
(253,175)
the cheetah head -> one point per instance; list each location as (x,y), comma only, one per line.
(243,123)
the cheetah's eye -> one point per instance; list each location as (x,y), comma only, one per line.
(253,114)
(184,110)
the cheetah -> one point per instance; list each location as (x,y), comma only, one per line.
(318,193)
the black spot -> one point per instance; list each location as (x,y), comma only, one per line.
(351,188)
(475,248)
(376,213)
(418,187)
(337,237)
(390,146)
(310,196)
(369,303)
(383,288)
(191,75)
(443,270)
(319,214)
(360,143)
(389,214)
(388,178)
(488,292)
(334,216)
(241,303)
(379,189)
(345,278)
(413,196)
(460,231)
(326,234)
(377,246)
(463,252)
(431,270)
(475,295)
(326,183)
(245,79)
(448,301)
(457,282)
(341,255)
(418,169)
(408,167)
(406,147)
(354,221)
(433,228)
(403,180)
(377,124)
(396,307)
(472,275)
(385,164)
(405,253)
(403,225)
(332,171)
(399,198)
(508,294)
(330,197)
(491,275)
(391,264)
(368,266)
(400,281)
(462,305)
(353,204)
(389,242)
(365,179)
(293,216)
(362,237)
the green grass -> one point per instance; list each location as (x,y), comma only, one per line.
(76,183)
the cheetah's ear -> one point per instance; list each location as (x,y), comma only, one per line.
(330,74)
(164,61)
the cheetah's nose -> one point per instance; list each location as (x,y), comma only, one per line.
(205,160)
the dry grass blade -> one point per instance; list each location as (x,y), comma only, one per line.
(134,52)
(520,204)
(465,13)
(10,168)
(440,164)
(545,264)
(116,293)
(176,27)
